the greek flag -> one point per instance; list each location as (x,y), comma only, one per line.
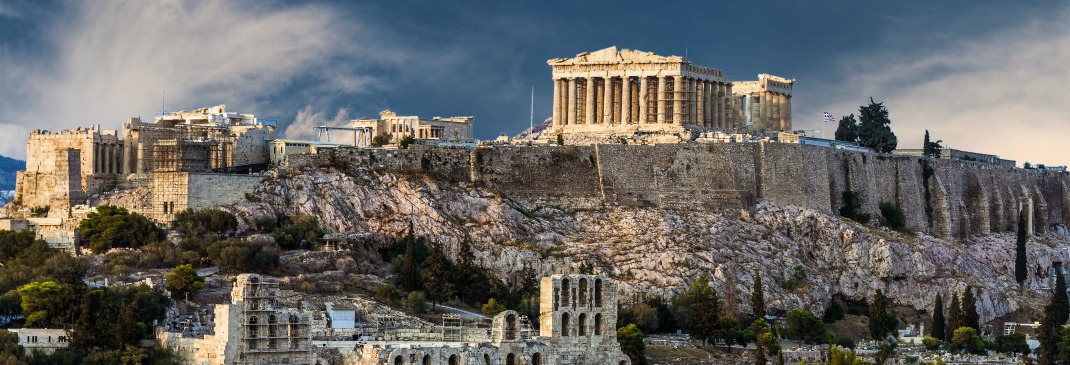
(829,117)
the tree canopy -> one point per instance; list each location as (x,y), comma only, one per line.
(110,226)
(938,325)
(184,279)
(806,327)
(873,128)
(881,323)
(757,297)
(698,309)
(1020,263)
(847,130)
(929,148)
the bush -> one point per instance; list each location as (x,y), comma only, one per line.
(631,342)
(197,223)
(184,279)
(382,140)
(798,277)
(966,339)
(302,230)
(418,302)
(406,141)
(931,343)
(1012,343)
(232,255)
(388,294)
(492,308)
(852,207)
(893,216)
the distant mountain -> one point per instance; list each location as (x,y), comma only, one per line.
(8,167)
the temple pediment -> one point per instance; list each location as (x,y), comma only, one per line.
(612,55)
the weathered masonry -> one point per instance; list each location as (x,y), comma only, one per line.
(611,91)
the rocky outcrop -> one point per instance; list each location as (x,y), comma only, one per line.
(657,250)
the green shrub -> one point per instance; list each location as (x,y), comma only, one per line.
(852,207)
(109,226)
(798,277)
(232,255)
(893,216)
(931,343)
(406,141)
(418,302)
(198,223)
(302,230)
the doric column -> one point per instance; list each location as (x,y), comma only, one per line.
(723,102)
(775,123)
(589,116)
(678,115)
(625,100)
(787,111)
(644,95)
(570,117)
(557,103)
(660,98)
(701,107)
(767,110)
(607,100)
(711,106)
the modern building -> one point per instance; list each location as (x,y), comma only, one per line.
(953,154)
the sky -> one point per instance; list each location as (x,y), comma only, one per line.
(984,76)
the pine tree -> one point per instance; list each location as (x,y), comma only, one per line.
(699,308)
(939,325)
(970,317)
(878,316)
(757,297)
(873,128)
(436,276)
(1020,263)
(954,317)
(847,130)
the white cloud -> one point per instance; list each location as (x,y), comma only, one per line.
(306,120)
(110,60)
(1005,94)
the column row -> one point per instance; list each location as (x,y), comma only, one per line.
(107,158)
(641,100)
(769,110)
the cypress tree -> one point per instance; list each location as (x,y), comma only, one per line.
(939,324)
(925,146)
(757,297)
(1060,302)
(878,316)
(1054,317)
(970,317)
(1019,256)
(954,317)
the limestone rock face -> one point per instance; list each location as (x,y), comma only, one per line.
(658,251)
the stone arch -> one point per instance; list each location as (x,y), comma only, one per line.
(426,360)
(398,360)
(453,360)
(598,293)
(582,325)
(581,292)
(598,324)
(486,359)
(623,362)
(564,324)
(564,293)
(510,326)
(253,322)
(536,359)
(510,359)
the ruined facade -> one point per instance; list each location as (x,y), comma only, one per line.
(578,315)
(627,91)
(65,169)
(398,127)
(252,329)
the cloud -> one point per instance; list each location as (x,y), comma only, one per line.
(1004,94)
(306,120)
(105,61)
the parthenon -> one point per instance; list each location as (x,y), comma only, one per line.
(611,91)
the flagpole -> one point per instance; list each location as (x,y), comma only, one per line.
(531,118)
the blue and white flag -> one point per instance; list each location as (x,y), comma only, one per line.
(829,117)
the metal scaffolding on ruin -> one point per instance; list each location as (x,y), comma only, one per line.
(452,328)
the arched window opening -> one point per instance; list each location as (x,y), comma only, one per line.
(510,327)
(598,293)
(564,293)
(252,326)
(454,360)
(399,361)
(427,360)
(510,359)
(486,359)
(598,324)
(583,324)
(564,325)
(536,359)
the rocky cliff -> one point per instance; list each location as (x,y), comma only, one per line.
(653,249)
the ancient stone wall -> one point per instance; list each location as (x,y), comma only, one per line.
(948,199)
(173,192)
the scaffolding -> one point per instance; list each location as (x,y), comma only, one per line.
(266,333)
(452,328)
